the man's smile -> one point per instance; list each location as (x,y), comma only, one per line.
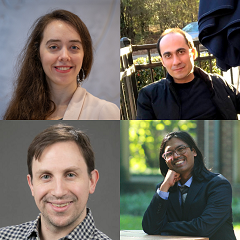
(60,207)
(61,204)
(178,162)
(179,68)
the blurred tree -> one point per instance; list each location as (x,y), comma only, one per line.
(126,19)
(145,138)
(137,16)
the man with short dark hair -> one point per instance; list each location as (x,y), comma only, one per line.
(188,92)
(191,201)
(61,175)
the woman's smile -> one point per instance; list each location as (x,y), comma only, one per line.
(63,69)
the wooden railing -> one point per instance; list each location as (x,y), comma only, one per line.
(128,85)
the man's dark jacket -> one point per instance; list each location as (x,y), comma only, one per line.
(207,211)
(218,23)
(159,100)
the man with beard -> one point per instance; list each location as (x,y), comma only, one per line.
(188,92)
(61,175)
(191,201)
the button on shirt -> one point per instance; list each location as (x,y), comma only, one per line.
(164,195)
(86,230)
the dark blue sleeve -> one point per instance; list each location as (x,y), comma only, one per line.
(155,216)
(144,106)
(216,213)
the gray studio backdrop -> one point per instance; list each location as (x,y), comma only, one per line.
(102,17)
(16,202)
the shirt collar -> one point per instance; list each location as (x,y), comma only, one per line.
(188,183)
(33,229)
(83,231)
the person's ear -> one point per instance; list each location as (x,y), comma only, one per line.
(93,180)
(29,179)
(162,61)
(194,53)
(194,152)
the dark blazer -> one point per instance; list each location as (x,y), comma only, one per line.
(207,211)
(159,100)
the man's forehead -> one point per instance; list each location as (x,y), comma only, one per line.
(169,148)
(60,169)
(172,42)
(61,154)
(173,143)
(62,147)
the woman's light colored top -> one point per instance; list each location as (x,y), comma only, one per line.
(84,106)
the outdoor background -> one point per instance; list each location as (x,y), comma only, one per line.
(140,143)
(143,21)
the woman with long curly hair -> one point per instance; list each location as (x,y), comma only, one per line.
(57,57)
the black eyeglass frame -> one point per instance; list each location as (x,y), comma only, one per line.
(175,151)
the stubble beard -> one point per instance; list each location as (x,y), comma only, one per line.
(73,220)
(62,220)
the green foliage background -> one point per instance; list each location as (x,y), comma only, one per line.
(145,138)
(131,214)
(143,76)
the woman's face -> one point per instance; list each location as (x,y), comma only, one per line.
(61,54)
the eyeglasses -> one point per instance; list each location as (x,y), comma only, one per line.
(179,151)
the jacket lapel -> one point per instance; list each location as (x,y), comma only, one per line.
(192,193)
(75,106)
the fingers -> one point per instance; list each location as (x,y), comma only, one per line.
(173,173)
(176,179)
(171,178)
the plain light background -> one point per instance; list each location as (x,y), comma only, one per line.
(102,18)
(16,202)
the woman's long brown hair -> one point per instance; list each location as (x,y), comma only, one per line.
(31,98)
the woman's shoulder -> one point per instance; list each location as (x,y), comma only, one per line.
(85,106)
(106,110)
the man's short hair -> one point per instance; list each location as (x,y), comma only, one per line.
(60,133)
(186,36)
